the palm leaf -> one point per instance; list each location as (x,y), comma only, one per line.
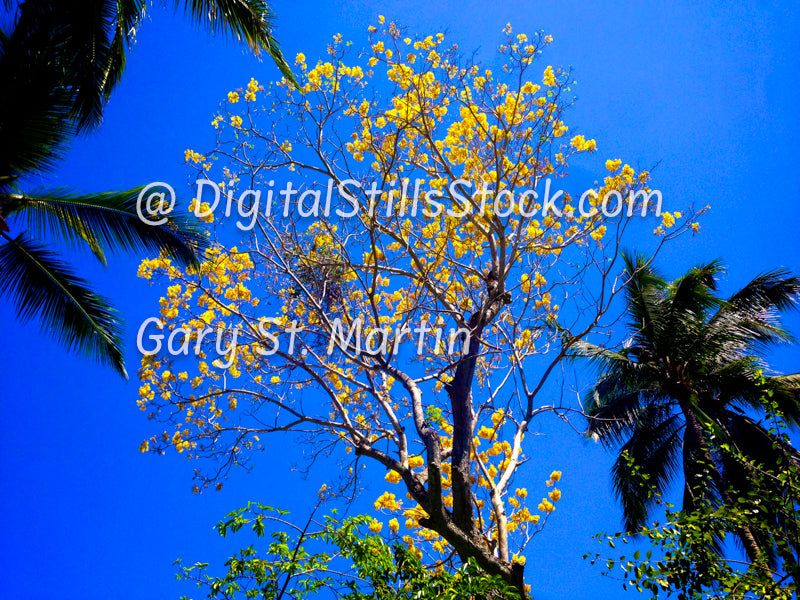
(109,222)
(85,50)
(251,21)
(43,287)
(654,449)
(34,107)
(603,356)
(89,55)
(748,320)
(687,303)
(129,13)
(642,296)
(776,289)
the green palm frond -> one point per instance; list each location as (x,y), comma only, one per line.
(642,295)
(776,289)
(68,42)
(654,451)
(89,38)
(694,291)
(617,412)
(250,21)
(604,357)
(34,107)
(109,222)
(687,301)
(129,14)
(43,287)
(749,319)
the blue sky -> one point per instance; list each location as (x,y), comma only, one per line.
(708,92)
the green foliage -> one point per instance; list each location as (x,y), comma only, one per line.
(337,555)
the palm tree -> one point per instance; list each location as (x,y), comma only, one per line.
(37,120)
(91,39)
(58,67)
(686,382)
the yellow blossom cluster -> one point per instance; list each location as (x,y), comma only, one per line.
(194,307)
(195,157)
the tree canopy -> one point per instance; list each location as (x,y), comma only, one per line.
(415,329)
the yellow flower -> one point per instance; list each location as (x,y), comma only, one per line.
(236,121)
(580,143)
(487,433)
(394,526)
(387,501)
(668,220)
(415,461)
(598,233)
(549,77)
(375,526)
(613,165)
(195,157)
(555,495)
(233,97)
(521,492)
(392,477)
(498,416)
(546,506)
(300,58)
(627,173)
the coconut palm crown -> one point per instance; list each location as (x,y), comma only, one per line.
(688,379)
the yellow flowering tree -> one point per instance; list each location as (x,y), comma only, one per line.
(414,329)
